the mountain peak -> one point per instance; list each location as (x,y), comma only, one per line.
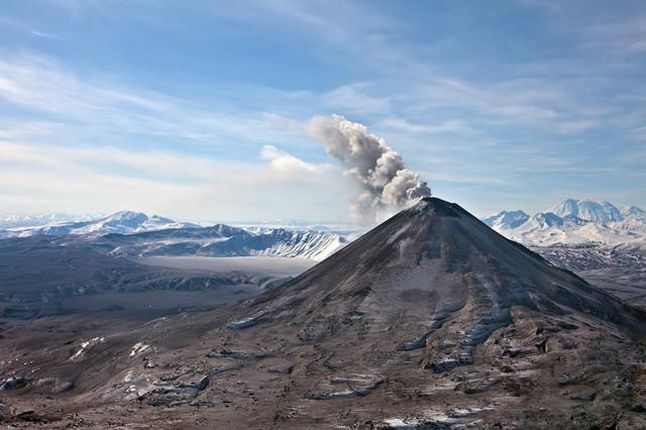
(434,258)
(434,289)
(632,212)
(126,215)
(506,220)
(588,210)
(437,207)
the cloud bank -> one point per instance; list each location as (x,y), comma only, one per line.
(386,184)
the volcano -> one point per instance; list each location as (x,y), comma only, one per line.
(432,308)
(431,320)
(432,269)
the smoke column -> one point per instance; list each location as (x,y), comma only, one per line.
(379,170)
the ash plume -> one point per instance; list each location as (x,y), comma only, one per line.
(387,185)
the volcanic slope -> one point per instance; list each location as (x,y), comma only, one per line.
(431,320)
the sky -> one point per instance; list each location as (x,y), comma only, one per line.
(201,109)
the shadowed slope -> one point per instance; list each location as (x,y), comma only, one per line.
(431,263)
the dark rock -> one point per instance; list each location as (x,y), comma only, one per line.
(515,352)
(201,385)
(586,396)
(286,369)
(13,383)
(418,343)
(442,366)
(542,345)
(5,413)
(639,407)
(33,417)
(568,326)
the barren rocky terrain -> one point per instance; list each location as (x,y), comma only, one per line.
(431,320)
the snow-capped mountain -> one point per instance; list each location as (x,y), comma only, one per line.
(125,222)
(632,212)
(549,229)
(588,210)
(574,222)
(222,241)
(21,220)
(506,220)
(135,234)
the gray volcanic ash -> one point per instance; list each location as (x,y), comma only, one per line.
(377,168)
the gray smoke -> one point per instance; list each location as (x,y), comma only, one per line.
(380,171)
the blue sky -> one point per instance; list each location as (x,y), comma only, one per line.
(201,109)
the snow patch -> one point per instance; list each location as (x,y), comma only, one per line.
(85,346)
(138,348)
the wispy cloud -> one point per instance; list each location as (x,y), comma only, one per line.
(625,36)
(79,103)
(42,83)
(401,124)
(26,28)
(437,82)
(290,165)
(44,34)
(46,178)
(354,99)
(351,26)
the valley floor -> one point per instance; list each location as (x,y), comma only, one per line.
(162,329)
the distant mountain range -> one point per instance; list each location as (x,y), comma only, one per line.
(124,222)
(132,234)
(573,222)
(222,240)
(22,219)
(135,234)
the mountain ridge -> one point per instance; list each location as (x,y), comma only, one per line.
(574,222)
(118,222)
(588,210)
